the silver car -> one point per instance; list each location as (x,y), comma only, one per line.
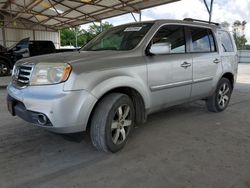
(122,76)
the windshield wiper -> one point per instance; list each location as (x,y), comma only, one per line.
(103,49)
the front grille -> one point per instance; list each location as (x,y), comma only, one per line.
(22,74)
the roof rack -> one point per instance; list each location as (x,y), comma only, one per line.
(201,21)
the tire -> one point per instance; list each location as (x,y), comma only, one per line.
(219,101)
(4,68)
(112,122)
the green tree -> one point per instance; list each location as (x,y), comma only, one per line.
(68,35)
(247,47)
(97,29)
(225,24)
(239,34)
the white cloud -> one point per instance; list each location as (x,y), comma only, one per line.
(224,10)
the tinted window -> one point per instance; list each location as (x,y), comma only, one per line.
(226,42)
(200,40)
(174,35)
(41,47)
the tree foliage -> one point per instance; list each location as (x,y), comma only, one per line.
(68,35)
(239,34)
(247,47)
(225,24)
(97,29)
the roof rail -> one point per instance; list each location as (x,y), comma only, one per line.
(201,21)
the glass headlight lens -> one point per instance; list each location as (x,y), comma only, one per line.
(50,73)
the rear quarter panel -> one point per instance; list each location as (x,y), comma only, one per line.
(229,59)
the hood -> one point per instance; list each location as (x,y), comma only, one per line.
(88,60)
(77,57)
(72,57)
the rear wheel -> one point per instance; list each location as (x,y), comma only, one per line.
(219,101)
(112,122)
(4,68)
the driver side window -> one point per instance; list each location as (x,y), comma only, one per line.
(172,35)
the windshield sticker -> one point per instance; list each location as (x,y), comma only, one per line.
(132,29)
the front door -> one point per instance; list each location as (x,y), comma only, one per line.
(170,75)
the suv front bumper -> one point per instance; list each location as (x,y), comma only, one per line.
(65,112)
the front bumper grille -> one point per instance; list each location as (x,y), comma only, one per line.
(22,75)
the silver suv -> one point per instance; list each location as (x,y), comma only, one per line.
(122,76)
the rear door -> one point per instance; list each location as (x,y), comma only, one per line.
(206,60)
(170,75)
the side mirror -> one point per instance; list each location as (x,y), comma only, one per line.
(160,48)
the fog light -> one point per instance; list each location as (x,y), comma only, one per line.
(42,119)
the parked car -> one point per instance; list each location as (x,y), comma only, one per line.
(23,49)
(122,76)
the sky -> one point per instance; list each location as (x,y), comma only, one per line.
(223,10)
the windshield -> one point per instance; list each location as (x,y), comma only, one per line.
(24,43)
(119,38)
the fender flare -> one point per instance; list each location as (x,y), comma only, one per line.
(122,81)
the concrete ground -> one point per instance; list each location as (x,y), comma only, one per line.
(4,81)
(185,146)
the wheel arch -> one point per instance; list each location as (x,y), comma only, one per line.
(230,77)
(137,94)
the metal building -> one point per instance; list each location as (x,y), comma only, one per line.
(20,28)
(42,19)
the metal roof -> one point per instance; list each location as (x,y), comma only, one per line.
(58,14)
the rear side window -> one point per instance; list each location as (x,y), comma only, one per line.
(174,36)
(202,40)
(226,41)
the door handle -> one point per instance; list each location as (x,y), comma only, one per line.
(185,65)
(216,61)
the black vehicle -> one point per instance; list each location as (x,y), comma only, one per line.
(5,61)
(25,48)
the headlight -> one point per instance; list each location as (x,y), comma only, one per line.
(50,73)
(13,71)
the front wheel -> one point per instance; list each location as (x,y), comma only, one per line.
(4,68)
(219,101)
(112,122)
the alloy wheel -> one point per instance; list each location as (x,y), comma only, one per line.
(3,69)
(223,95)
(121,124)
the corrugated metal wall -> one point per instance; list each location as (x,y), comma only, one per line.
(12,36)
(15,31)
(48,35)
(244,56)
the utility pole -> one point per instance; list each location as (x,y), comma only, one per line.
(209,9)
(76,36)
(139,12)
(101,26)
